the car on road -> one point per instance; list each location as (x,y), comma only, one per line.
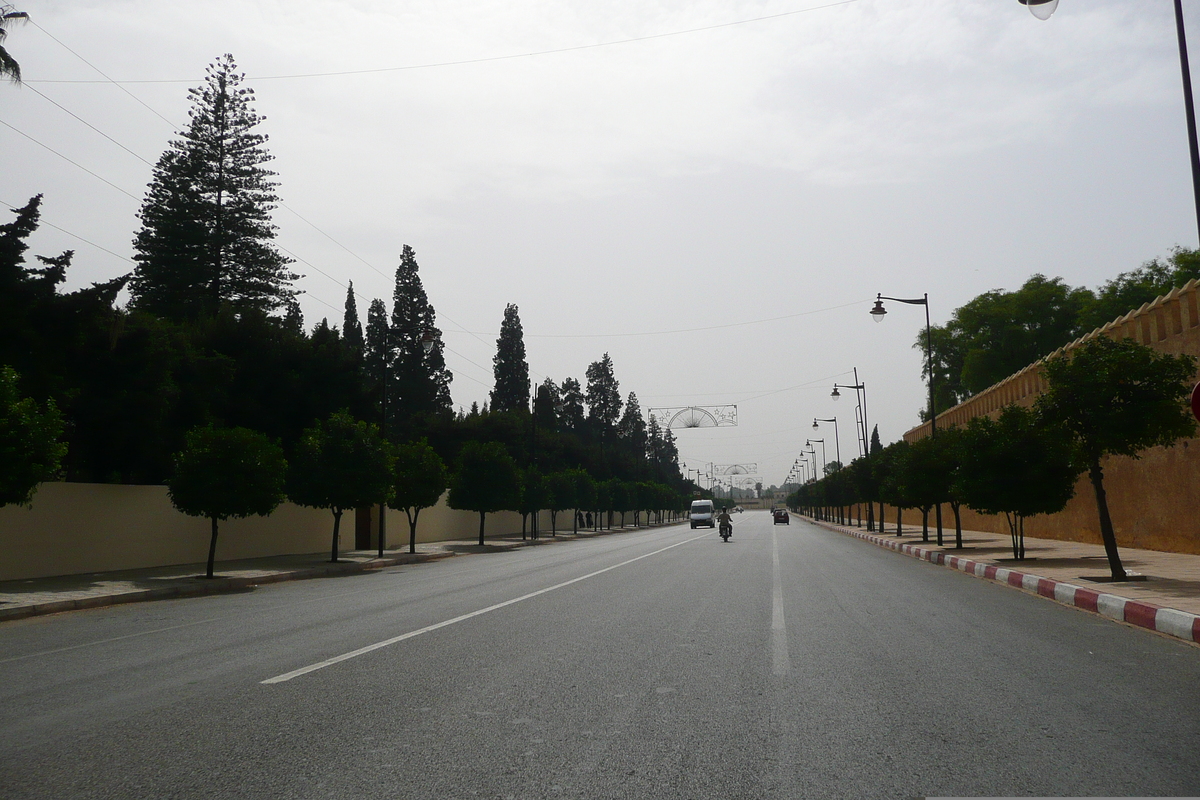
(779,516)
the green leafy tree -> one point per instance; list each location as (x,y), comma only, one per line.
(894,469)
(1117,398)
(533,499)
(419,480)
(998,333)
(623,497)
(420,382)
(1131,290)
(487,480)
(560,495)
(1016,466)
(340,463)
(605,502)
(9,68)
(206,236)
(932,466)
(227,472)
(30,450)
(511,392)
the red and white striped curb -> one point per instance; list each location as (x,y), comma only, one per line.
(1146,615)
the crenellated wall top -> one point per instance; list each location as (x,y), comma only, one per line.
(1170,323)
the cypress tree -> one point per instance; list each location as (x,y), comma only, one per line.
(511,392)
(352,332)
(376,355)
(206,236)
(546,403)
(420,381)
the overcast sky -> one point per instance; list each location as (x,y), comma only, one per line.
(711,192)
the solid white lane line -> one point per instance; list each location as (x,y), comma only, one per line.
(780,663)
(287,676)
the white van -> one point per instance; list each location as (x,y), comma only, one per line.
(702,513)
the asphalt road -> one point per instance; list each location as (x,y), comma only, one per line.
(790,662)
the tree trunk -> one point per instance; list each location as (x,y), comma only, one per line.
(1012,520)
(337,522)
(481,515)
(412,530)
(882,519)
(899,518)
(212,548)
(1096,474)
(524,519)
(956,507)
(382,528)
(554,522)
(925,524)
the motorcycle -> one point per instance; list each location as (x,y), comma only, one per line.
(726,530)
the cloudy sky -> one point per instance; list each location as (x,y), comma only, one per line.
(710,192)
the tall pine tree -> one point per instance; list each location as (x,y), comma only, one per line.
(206,237)
(511,392)
(603,397)
(572,412)
(632,428)
(420,381)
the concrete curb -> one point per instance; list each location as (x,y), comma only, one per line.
(1169,621)
(218,585)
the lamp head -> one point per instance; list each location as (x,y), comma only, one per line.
(427,341)
(835,394)
(1042,9)
(878,312)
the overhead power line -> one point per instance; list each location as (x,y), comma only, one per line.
(14,207)
(488,59)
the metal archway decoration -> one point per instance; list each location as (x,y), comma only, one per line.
(696,416)
(735,469)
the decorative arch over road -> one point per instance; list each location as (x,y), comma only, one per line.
(696,416)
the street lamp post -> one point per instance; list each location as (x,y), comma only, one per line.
(860,414)
(878,313)
(860,392)
(1042,9)
(822,441)
(837,444)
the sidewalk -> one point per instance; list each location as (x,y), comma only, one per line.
(33,597)
(1165,598)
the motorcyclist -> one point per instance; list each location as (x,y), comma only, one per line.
(723,520)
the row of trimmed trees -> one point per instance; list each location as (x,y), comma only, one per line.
(1105,397)
(343,464)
